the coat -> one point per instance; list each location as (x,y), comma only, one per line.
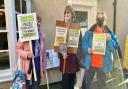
(23,48)
(107,59)
(72,64)
(73,60)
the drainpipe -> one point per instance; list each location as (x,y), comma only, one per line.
(114,25)
(114,16)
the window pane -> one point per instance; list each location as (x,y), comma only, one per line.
(4,60)
(81,16)
(17,36)
(18,7)
(3,41)
(2,15)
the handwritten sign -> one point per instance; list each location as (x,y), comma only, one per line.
(27,25)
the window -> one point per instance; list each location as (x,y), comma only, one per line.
(8,37)
(20,7)
(4,54)
(81,16)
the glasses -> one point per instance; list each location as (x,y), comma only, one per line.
(67,12)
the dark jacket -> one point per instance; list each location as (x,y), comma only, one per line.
(72,65)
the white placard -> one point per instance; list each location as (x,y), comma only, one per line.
(52,59)
(27,26)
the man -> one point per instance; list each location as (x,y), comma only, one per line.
(97,63)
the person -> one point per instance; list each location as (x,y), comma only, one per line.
(39,54)
(72,65)
(97,63)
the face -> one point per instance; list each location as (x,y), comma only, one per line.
(67,16)
(100,15)
(38,22)
(100,19)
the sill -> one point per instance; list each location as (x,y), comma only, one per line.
(5,75)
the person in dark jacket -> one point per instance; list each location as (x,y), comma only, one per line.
(71,65)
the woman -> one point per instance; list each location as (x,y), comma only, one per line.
(72,65)
(39,54)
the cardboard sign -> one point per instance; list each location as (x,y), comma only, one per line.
(67,33)
(61,34)
(27,25)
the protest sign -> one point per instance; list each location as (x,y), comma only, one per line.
(67,33)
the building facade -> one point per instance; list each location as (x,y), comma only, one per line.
(50,11)
(121,18)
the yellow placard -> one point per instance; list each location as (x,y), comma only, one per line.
(125,62)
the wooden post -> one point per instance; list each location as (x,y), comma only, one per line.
(47,79)
(64,65)
(33,63)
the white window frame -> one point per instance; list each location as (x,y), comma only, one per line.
(90,10)
(86,5)
(6,75)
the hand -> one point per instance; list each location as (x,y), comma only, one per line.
(108,37)
(42,74)
(64,55)
(30,55)
(90,50)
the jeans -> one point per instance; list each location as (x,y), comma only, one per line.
(89,75)
(68,80)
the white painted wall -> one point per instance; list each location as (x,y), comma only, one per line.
(50,11)
(53,10)
(106,6)
(122,22)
